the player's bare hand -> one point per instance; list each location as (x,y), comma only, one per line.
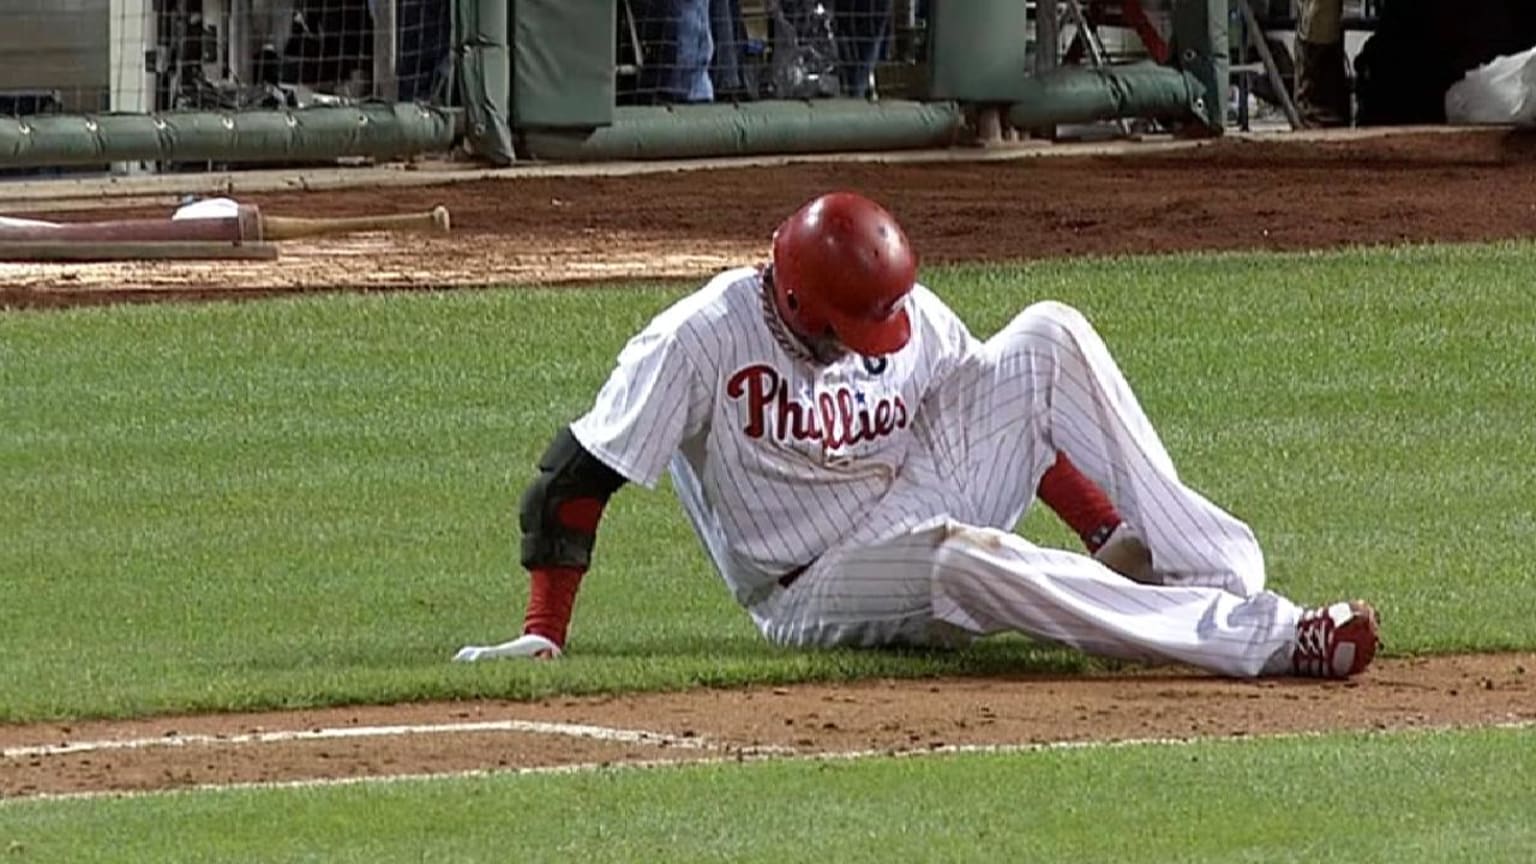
(529,645)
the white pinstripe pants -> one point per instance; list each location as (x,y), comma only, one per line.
(1043,383)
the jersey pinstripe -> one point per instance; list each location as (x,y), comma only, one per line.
(1045,382)
(895,483)
(775,457)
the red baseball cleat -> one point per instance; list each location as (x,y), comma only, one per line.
(1336,641)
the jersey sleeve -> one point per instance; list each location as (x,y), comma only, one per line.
(952,343)
(655,399)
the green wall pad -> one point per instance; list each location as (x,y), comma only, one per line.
(1081,95)
(485,76)
(563,55)
(977,51)
(379,131)
(1200,48)
(694,131)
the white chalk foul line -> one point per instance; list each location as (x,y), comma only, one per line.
(746,755)
(574,730)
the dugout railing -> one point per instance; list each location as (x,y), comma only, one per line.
(135,85)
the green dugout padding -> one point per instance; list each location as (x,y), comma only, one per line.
(484,77)
(1200,48)
(563,54)
(379,131)
(977,51)
(1084,95)
(696,131)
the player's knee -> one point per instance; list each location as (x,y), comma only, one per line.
(1050,318)
(1046,326)
(959,558)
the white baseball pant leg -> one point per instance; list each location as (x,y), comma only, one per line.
(1043,383)
(1047,382)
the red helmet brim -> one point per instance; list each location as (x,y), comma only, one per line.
(872,337)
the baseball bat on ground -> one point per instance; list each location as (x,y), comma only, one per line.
(434,221)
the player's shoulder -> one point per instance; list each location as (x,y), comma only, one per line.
(729,293)
(931,309)
(927,301)
(701,323)
(735,289)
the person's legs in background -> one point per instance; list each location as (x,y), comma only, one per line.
(1322,78)
(272,27)
(425,46)
(862,29)
(656,30)
(676,48)
(730,36)
(695,49)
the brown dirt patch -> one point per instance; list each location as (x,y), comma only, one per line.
(1224,195)
(1228,194)
(881,716)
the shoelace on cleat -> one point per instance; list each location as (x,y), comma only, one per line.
(1314,635)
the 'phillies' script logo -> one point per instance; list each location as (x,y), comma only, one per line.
(837,417)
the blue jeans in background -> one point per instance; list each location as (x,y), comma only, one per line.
(730,36)
(695,50)
(862,28)
(677,49)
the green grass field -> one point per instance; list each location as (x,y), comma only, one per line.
(312,501)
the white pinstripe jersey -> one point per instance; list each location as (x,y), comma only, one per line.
(775,458)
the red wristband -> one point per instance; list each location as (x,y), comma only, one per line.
(1079,502)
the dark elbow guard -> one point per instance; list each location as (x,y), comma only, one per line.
(560,508)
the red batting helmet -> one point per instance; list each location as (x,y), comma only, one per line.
(842,263)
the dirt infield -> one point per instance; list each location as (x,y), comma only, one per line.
(1226,195)
(1230,194)
(878,716)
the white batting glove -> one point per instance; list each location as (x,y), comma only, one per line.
(531,645)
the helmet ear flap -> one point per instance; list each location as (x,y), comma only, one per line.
(786,294)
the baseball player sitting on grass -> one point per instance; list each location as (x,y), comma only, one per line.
(855,462)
